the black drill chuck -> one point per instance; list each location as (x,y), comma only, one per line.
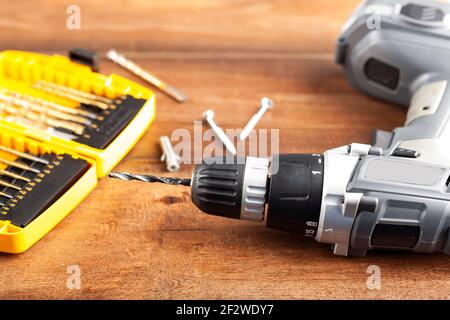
(217,186)
(289,198)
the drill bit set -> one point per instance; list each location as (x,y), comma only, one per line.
(30,184)
(62,127)
(39,185)
(95,121)
(54,99)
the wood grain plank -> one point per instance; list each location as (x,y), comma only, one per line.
(198,25)
(133,240)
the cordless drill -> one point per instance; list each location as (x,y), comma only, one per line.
(392,194)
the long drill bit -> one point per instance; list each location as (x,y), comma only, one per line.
(125,176)
(125,63)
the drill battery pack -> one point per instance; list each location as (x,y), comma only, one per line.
(62,127)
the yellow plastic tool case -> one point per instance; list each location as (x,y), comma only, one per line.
(62,127)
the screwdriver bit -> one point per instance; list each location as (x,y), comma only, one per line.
(151,179)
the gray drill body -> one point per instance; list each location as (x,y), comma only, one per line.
(396,51)
(392,194)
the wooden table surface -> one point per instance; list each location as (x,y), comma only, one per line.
(133,240)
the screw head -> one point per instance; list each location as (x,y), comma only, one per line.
(208,114)
(112,54)
(266,103)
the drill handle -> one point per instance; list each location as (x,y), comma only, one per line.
(427,127)
(431,103)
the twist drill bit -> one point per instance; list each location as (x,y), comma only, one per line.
(5,195)
(42,118)
(13,175)
(54,105)
(75,92)
(40,126)
(19,165)
(125,63)
(25,104)
(125,176)
(9,185)
(68,95)
(23,155)
(7,112)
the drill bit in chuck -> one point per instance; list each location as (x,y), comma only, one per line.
(151,179)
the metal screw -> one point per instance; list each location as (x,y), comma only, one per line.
(209,117)
(266,104)
(169,156)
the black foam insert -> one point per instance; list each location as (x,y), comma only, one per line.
(24,208)
(115,121)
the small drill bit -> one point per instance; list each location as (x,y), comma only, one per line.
(28,105)
(5,195)
(19,165)
(76,92)
(125,176)
(125,63)
(9,185)
(42,118)
(5,111)
(23,155)
(55,123)
(13,175)
(52,105)
(40,126)
(68,95)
